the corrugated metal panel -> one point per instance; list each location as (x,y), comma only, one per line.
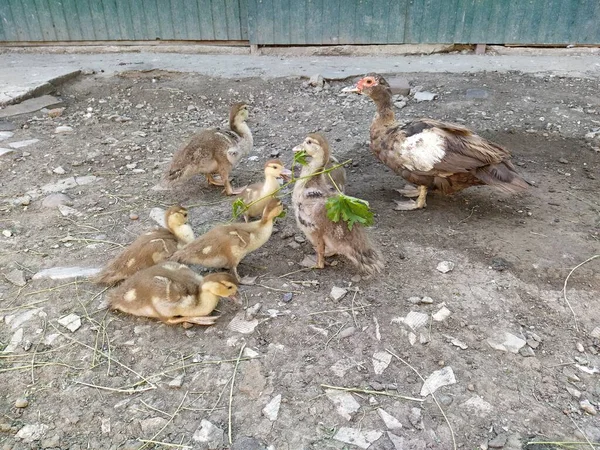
(423,21)
(113,20)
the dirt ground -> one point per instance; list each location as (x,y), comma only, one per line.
(119,380)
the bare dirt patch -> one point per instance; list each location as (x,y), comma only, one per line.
(117,380)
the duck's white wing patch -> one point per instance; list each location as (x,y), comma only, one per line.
(422,151)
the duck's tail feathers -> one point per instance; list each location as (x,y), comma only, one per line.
(502,176)
(106,279)
(364,255)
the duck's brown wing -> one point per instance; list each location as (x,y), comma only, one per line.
(147,250)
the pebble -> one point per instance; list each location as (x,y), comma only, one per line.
(345,403)
(22,144)
(588,407)
(71,322)
(498,442)
(7,233)
(563,161)
(347,332)
(445,266)
(400,104)
(506,342)
(437,379)
(16,277)
(499,264)
(359,438)
(415,418)
(271,410)
(424,96)
(574,392)
(356,278)
(6,135)
(381,360)
(316,80)
(287,297)
(526,351)
(55,112)
(441,315)
(299,239)
(59,170)
(21,402)
(176,382)
(133,217)
(580,347)
(63,129)
(53,200)
(399,85)
(337,293)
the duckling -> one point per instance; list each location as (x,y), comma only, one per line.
(309,198)
(214,150)
(150,248)
(173,293)
(226,245)
(257,195)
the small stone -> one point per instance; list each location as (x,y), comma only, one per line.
(415,418)
(71,322)
(533,343)
(499,264)
(438,378)
(526,351)
(344,402)
(63,129)
(574,392)
(62,273)
(424,96)
(4,151)
(441,315)
(563,161)
(337,293)
(347,332)
(595,333)
(21,402)
(381,360)
(16,277)
(445,400)
(59,170)
(7,233)
(176,382)
(68,211)
(588,407)
(55,112)
(359,438)
(356,278)
(477,94)
(7,126)
(427,300)
(299,239)
(506,342)
(271,410)
(14,342)
(390,421)
(53,200)
(133,216)
(33,432)
(152,425)
(414,300)
(6,135)
(316,80)
(22,144)
(399,85)
(499,441)
(309,261)
(580,347)
(445,266)
(287,297)
(400,104)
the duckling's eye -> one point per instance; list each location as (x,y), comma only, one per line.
(308,141)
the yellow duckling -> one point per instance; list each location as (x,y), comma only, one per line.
(150,248)
(257,195)
(309,198)
(173,293)
(225,246)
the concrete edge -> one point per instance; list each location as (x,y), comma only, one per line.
(48,87)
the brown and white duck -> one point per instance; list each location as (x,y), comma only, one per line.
(150,248)
(224,246)
(431,154)
(309,198)
(257,195)
(173,293)
(214,151)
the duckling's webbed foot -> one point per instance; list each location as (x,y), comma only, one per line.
(320,249)
(200,320)
(213,181)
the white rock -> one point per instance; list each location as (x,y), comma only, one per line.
(390,421)
(71,322)
(22,144)
(253,158)
(209,434)
(105,425)
(316,80)
(424,96)
(344,402)
(337,293)
(506,342)
(241,325)
(574,392)
(158,215)
(477,405)
(588,407)
(445,266)
(59,170)
(595,333)
(271,411)
(441,315)
(380,361)
(7,233)
(456,342)
(397,441)
(427,300)
(15,340)
(62,273)
(6,135)
(415,320)
(152,425)
(68,211)
(439,378)
(249,353)
(362,439)
(4,151)
(16,277)
(176,382)
(33,432)
(16,320)
(342,366)
(68,183)
(63,129)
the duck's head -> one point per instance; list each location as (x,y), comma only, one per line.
(176,216)
(221,284)
(272,209)
(239,112)
(315,145)
(275,168)
(372,85)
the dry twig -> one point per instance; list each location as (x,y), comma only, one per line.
(368,391)
(565,286)
(237,362)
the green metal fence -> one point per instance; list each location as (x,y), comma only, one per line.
(300,22)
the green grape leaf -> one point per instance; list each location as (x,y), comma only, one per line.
(349,209)
(239,207)
(300,158)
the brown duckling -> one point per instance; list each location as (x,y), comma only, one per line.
(257,195)
(309,198)
(214,151)
(431,154)
(173,293)
(225,246)
(150,248)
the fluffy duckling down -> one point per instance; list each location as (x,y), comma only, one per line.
(150,248)
(173,293)
(257,195)
(225,246)
(213,151)
(309,199)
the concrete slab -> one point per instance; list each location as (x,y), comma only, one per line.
(19,82)
(30,105)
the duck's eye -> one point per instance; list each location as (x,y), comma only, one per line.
(369,81)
